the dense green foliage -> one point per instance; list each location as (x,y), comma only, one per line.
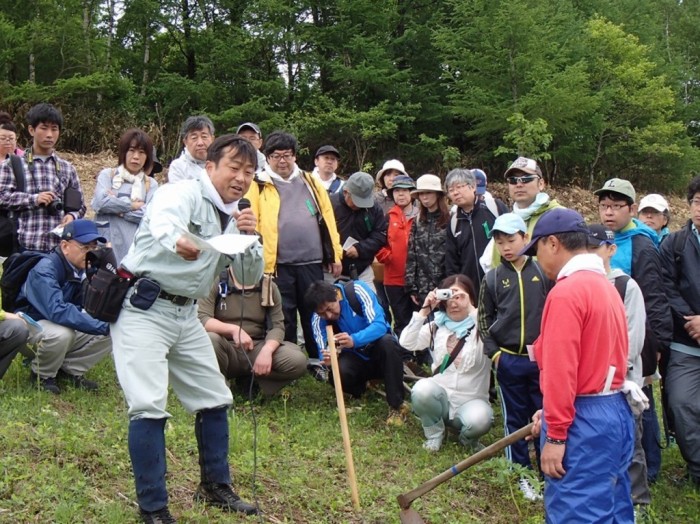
(593,89)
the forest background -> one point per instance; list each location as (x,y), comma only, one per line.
(592,89)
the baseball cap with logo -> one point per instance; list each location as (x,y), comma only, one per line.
(553,222)
(654,201)
(618,186)
(360,185)
(526,165)
(83,231)
(599,235)
(510,224)
(481,181)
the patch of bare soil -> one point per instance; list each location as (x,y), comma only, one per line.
(582,200)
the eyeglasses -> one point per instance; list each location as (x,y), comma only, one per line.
(457,187)
(7,139)
(514,180)
(458,296)
(286,157)
(614,207)
(695,202)
(92,246)
(196,137)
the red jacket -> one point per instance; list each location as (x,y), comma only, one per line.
(394,254)
(584,332)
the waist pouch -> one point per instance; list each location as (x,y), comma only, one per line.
(145,293)
(104,295)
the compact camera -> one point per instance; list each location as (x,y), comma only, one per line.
(443,294)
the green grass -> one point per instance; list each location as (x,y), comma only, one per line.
(64,459)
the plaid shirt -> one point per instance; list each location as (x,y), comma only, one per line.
(36,222)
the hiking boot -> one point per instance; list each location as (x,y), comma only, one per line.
(47,384)
(78,381)
(223,497)
(529,491)
(162,516)
(397,417)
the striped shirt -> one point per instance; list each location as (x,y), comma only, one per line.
(36,222)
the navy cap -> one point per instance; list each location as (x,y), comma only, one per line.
(599,235)
(481,181)
(553,222)
(83,231)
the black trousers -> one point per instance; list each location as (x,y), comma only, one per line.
(401,306)
(384,363)
(293,281)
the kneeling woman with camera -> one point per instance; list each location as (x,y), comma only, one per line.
(458,392)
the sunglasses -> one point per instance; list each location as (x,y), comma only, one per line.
(513,180)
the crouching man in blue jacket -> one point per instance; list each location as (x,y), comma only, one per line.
(369,349)
(52,294)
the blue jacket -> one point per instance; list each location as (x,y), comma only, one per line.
(53,293)
(364,329)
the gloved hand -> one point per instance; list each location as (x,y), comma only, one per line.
(636,398)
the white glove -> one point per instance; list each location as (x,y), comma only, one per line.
(636,398)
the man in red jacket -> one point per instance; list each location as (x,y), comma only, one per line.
(587,435)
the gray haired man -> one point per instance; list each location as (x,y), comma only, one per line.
(197,134)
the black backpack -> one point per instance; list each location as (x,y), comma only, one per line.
(14,273)
(350,295)
(9,242)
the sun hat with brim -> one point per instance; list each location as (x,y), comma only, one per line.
(401,182)
(599,235)
(427,183)
(553,222)
(360,185)
(618,186)
(390,164)
(510,224)
(83,231)
(654,201)
(526,165)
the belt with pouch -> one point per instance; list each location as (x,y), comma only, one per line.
(178,300)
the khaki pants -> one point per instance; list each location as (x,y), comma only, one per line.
(72,351)
(288,363)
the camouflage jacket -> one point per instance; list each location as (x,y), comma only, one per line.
(425,265)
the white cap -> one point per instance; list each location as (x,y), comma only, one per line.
(654,201)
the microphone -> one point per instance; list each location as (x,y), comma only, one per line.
(244,203)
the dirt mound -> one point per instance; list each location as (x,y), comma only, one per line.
(582,200)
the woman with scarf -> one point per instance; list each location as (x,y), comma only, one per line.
(122,193)
(458,392)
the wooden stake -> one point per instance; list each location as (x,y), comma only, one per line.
(352,480)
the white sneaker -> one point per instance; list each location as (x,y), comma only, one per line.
(529,491)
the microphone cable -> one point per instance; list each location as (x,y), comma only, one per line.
(250,387)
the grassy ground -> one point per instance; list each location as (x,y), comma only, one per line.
(64,459)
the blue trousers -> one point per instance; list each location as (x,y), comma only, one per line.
(596,485)
(519,383)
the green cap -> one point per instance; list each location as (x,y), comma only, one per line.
(619,186)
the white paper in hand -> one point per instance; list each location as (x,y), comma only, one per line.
(349,242)
(228,244)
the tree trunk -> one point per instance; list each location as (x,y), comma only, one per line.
(187,44)
(32,68)
(146,60)
(87,26)
(110,33)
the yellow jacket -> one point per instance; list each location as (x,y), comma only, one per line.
(265,203)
